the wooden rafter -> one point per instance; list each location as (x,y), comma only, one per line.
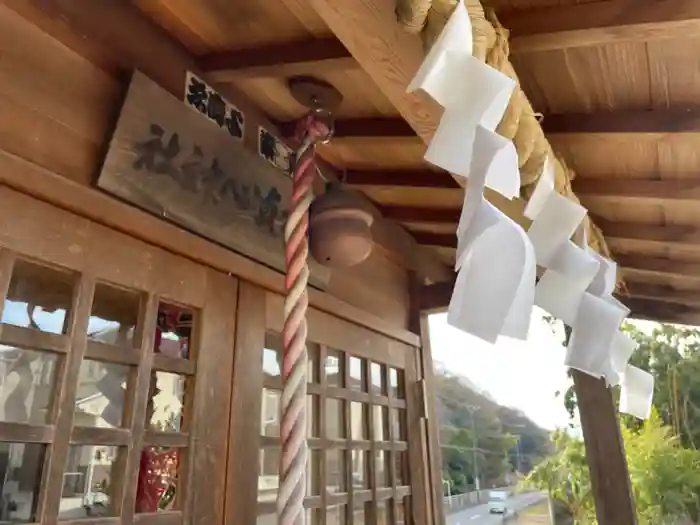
(401,178)
(446,240)
(385,127)
(667,189)
(123,38)
(659,265)
(672,120)
(662,311)
(677,234)
(276,60)
(663,293)
(411,214)
(600,23)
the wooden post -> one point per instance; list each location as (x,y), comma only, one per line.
(418,323)
(612,490)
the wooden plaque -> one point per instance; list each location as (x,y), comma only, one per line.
(173,162)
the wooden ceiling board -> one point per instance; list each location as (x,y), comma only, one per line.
(678,252)
(674,66)
(361,97)
(517,5)
(626,155)
(375,153)
(643,276)
(416,197)
(205,26)
(622,210)
(586,79)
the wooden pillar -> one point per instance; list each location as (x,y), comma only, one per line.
(418,323)
(612,490)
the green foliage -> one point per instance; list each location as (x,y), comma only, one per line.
(665,476)
(497,431)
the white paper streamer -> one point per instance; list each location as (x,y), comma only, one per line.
(623,347)
(473,94)
(637,392)
(494,291)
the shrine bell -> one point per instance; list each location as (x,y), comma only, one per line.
(340,225)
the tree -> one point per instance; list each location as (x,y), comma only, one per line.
(672,354)
(665,476)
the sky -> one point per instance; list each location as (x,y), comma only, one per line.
(519,374)
(525,375)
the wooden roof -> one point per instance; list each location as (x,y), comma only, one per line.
(617,82)
(257,46)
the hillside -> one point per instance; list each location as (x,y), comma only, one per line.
(507,441)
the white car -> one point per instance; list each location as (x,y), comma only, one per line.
(497,502)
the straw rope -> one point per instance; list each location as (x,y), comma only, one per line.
(520,122)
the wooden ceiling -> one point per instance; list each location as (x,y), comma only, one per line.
(616,80)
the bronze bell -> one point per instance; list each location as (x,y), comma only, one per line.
(340,225)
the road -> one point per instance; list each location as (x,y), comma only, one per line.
(479,515)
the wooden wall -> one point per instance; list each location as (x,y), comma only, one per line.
(57,108)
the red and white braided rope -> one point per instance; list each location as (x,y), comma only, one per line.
(290,498)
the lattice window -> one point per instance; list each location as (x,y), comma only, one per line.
(95,397)
(358,466)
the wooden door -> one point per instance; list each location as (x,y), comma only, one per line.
(115,374)
(366,466)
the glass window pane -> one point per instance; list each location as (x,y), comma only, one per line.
(87,482)
(21,464)
(358,377)
(383,517)
(313,473)
(270,413)
(27,384)
(313,409)
(335,419)
(158,479)
(334,368)
(335,471)
(383,468)
(167,400)
(400,513)
(39,297)
(394,382)
(99,401)
(174,331)
(272,356)
(398,423)
(267,519)
(313,517)
(335,515)
(359,469)
(114,315)
(312,369)
(401,468)
(268,477)
(377,376)
(381,420)
(358,421)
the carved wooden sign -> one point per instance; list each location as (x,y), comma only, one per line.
(178,164)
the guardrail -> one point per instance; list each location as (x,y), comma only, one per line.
(458,502)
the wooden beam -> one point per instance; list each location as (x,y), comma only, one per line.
(600,23)
(401,178)
(663,312)
(655,190)
(435,297)
(123,38)
(371,127)
(276,60)
(447,240)
(676,234)
(605,451)
(659,265)
(664,293)
(411,214)
(673,120)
